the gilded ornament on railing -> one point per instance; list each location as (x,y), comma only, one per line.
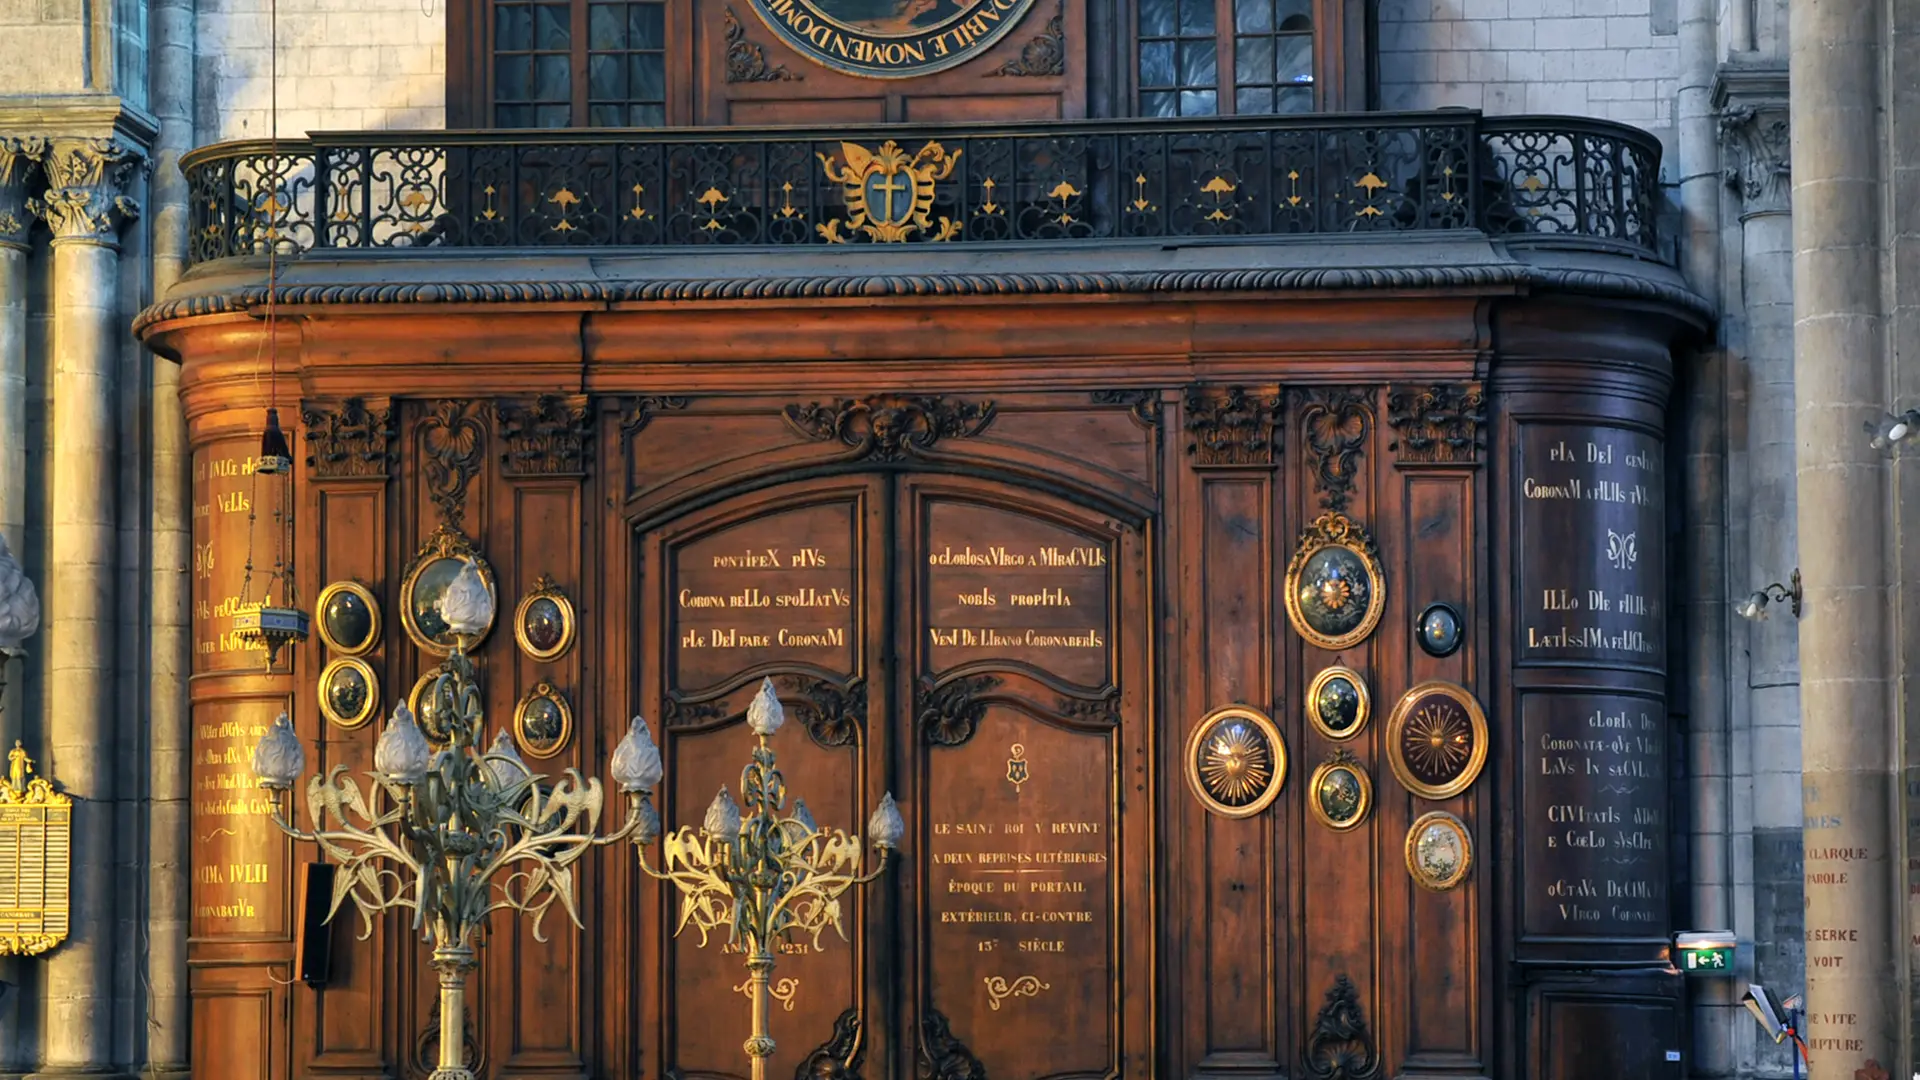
(890,195)
(36,831)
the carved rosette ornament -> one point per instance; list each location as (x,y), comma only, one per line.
(942,1056)
(841,1057)
(747,61)
(452,438)
(1438,424)
(1341,1046)
(890,428)
(351,440)
(951,712)
(1232,427)
(552,436)
(1044,54)
(1756,140)
(1338,421)
(833,715)
(85,200)
(20,161)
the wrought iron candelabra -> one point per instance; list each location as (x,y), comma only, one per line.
(459,832)
(766,876)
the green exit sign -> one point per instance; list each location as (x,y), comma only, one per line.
(1705,953)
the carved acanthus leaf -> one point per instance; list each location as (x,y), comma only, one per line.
(951,712)
(552,436)
(453,437)
(637,412)
(942,1056)
(20,160)
(1044,54)
(1757,141)
(1143,405)
(1232,427)
(1102,711)
(86,190)
(677,713)
(746,60)
(889,427)
(1338,421)
(1438,424)
(1341,1047)
(833,715)
(350,440)
(841,1057)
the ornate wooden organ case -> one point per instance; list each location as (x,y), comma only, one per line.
(1003,558)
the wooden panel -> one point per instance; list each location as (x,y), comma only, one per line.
(240,1023)
(1585,1033)
(961,109)
(748,112)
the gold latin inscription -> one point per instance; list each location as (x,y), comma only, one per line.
(1591,511)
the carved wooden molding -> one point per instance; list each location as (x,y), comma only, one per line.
(841,1057)
(1341,1047)
(951,713)
(1143,405)
(1438,424)
(1232,427)
(943,1057)
(746,60)
(1337,421)
(1102,711)
(833,715)
(637,412)
(551,436)
(889,427)
(1044,54)
(677,713)
(353,440)
(454,435)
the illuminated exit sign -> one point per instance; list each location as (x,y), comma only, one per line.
(1708,953)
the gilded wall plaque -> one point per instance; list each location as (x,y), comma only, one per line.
(1437,740)
(349,692)
(349,618)
(1340,793)
(36,849)
(433,568)
(1338,703)
(1236,761)
(542,722)
(1335,590)
(543,624)
(1439,852)
(890,39)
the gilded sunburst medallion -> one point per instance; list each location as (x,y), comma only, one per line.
(1437,740)
(1236,762)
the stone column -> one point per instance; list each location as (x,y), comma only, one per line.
(1846,650)
(19,166)
(85,208)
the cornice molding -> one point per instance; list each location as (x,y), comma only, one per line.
(86,199)
(78,116)
(21,158)
(1516,275)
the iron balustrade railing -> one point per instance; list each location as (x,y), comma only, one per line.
(1542,180)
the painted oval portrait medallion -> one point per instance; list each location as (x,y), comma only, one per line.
(890,39)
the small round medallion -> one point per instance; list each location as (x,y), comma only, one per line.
(1236,761)
(349,692)
(349,618)
(1437,740)
(1338,703)
(1334,590)
(542,722)
(1439,630)
(543,624)
(1438,852)
(1339,793)
(426,708)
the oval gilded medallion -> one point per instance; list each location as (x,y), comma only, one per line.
(425,582)
(543,624)
(348,618)
(890,39)
(543,722)
(1340,793)
(426,708)
(349,692)
(1338,703)
(1438,851)
(1236,761)
(1437,740)
(1335,591)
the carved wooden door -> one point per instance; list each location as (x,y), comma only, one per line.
(979,647)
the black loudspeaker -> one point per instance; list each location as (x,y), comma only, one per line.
(315,944)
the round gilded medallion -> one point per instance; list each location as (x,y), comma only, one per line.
(890,39)
(1236,763)
(1439,852)
(433,568)
(1437,740)
(349,618)
(546,629)
(349,691)
(543,623)
(426,708)
(1440,630)
(1335,593)
(1339,793)
(542,722)
(1338,703)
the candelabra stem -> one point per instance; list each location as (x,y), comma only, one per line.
(453,963)
(760,976)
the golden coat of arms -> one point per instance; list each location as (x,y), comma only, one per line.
(889,195)
(36,845)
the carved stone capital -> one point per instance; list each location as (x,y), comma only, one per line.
(86,200)
(1755,148)
(20,161)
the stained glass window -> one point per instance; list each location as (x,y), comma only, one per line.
(1262,63)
